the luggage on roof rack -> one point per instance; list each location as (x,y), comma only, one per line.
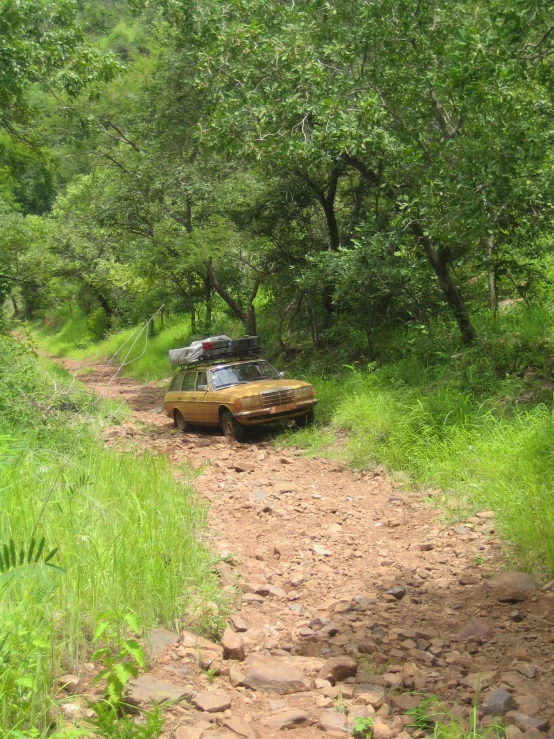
(247,343)
(216,348)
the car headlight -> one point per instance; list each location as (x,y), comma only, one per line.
(249,403)
(302,393)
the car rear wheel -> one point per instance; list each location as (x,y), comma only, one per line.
(307,420)
(180,423)
(232,428)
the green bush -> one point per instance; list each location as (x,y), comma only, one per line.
(97,324)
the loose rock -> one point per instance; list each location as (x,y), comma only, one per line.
(147,688)
(288,719)
(337,669)
(498,702)
(239,726)
(480,680)
(212,701)
(276,676)
(524,722)
(233,645)
(333,721)
(398,592)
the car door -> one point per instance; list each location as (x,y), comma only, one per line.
(185,399)
(173,395)
(199,408)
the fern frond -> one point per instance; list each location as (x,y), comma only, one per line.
(12,566)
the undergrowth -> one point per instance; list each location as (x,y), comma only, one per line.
(127,537)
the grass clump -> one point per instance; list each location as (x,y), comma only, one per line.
(432,718)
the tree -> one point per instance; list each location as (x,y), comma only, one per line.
(398,115)
(26,266)
(42,44)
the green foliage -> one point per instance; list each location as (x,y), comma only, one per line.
(25,666)
(29,390)
(97,324)
(42,42)
(434,719)
(112,724)
(17,565)
(424,716)
(122,657)
(363,727)
(128,538)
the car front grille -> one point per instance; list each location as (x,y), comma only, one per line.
(273,398)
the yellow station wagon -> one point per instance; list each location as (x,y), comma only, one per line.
(235,395)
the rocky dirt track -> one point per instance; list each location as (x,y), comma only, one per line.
(356,600)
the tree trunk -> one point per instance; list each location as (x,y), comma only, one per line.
(208,297)
(188,214)
(106,307)
(437,260)
(328,305)
(248,316)
(292,311)
(250,323)
(15,306)
(327,202)
(233,304)
(493,301)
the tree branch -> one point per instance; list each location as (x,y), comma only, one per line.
(235,306)
(105,124)
(367,174)
(114,162)
(441,118)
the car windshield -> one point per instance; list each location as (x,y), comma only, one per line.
(238,374)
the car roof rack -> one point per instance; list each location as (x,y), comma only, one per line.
(225,357)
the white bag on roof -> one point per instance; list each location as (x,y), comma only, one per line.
(191,354)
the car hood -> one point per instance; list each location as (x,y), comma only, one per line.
(259,386)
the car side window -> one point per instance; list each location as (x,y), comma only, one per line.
(188,384)
(201,380)
(176,383)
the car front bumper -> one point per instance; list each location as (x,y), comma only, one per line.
(276,413)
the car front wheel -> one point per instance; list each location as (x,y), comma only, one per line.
(307,420)
(232,428)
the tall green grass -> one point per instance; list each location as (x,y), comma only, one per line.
(128,537)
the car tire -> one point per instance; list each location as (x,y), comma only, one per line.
(180,423)
(232,428)
(307,420)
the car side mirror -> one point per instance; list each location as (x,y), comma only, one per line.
(202,388)
(283,374)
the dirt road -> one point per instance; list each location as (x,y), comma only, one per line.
(357,600)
